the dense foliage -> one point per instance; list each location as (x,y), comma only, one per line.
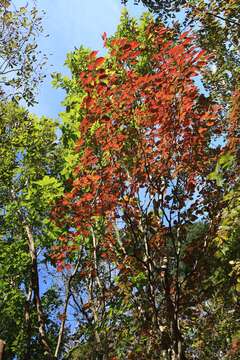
(120,224)
(216,25)
(28,160)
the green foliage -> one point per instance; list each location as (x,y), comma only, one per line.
(163,7)
(21,62)
(71,118)
(29,164)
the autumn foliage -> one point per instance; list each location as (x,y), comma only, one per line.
(144,154)
(120,223)
(139,130)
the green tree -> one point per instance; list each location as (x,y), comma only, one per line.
(28,186)
(21,62)
(226,277)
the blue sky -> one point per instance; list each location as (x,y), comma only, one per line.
(71,23)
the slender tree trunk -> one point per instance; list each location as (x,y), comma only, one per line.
(64,315)
(62,327)
(35,287)
(95,302)
(178,353)
(2,346)
(27,355)
(35,282)
(177,348)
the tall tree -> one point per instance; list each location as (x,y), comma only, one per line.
(29,163)
(140,183)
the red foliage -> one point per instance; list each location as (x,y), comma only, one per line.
(148,125)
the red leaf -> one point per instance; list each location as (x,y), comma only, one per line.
(202,130)
(99,61)
(93,54)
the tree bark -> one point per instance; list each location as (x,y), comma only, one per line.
(2,346)
(176,345)
(64,315)
(27,355)
(35,287)
(34,280)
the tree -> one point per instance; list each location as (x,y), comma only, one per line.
(227,273)
(143,156)
(137,202)
(216,25)
(160,7)
(20,60)
(29,164)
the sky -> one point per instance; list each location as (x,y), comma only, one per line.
(69,24)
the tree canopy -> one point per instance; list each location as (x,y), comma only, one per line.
(119,223)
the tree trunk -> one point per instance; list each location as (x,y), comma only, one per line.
(178,352)
(27,355)
(2,346)
(64,315)
(35,282)
(176,345)
(35,288)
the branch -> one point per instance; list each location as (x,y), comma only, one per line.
(68,296)
(34,279)
(35,286)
